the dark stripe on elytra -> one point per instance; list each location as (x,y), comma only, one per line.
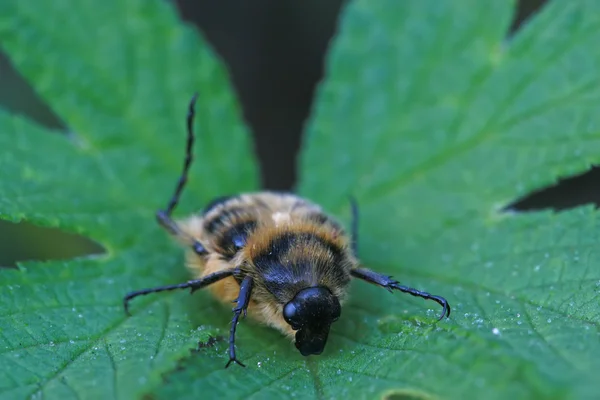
(234,238)
(282,244)
(223,218)
(323,219)
(216,202)
(319,217)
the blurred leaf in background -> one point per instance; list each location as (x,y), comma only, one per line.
(428,115)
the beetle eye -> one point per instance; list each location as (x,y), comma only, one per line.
(239,241)
(290,314)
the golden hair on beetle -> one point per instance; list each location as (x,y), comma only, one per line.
(278,256)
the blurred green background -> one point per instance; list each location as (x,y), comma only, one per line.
(275,52)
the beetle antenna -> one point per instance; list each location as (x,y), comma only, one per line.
(189,156)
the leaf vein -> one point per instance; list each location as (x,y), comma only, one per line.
(481,136)
(113,367)
(85,349)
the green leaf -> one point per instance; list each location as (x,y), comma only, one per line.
(120,75)
(429,116)
(435,121)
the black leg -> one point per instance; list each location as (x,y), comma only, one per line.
(391,284)
(354,225)
(193,285)
(242,301)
